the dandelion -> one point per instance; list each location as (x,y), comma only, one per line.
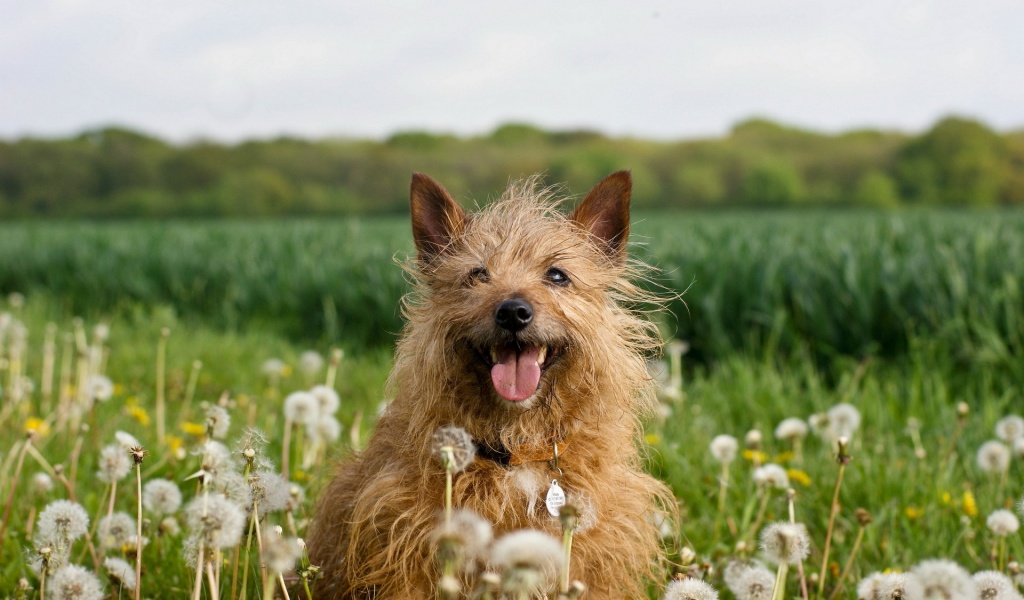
(216,459)
(469,532)
(328,428)
(944,579)
(899,586)
(121,573)
(126,440)
(311,362)
(218,520)
(75,583)
(273,367)
(280,553)
(785,542)
(169,526)
(843,420)
(1010,427)
(993,585)
(734,571)
(1002,523)
(690,589)
(218,421)
(327,399)
(115,530)
(793,430)
(528,560)
(771,476)
(270,490)
(993,457)
(42,484)
(755,583)
(61,523)
(454,447)
(114,464)
(161,497)
(235,488)
(724,448)
(867,589)
(99,387)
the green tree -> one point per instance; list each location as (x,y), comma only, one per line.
(772,182)
(875,188)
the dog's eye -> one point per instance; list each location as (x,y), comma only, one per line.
(479,275)
(557,277)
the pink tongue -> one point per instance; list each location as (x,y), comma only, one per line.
(516,376)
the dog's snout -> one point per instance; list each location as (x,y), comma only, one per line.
(513,314)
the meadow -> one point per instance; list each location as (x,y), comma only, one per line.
(912,318)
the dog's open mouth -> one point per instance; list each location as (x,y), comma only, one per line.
(516,369)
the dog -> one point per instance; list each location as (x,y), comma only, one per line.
(522,328)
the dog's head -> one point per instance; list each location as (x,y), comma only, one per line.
(523,300)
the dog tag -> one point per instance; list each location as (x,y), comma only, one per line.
(555,498)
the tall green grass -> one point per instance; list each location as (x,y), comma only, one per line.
(832,283)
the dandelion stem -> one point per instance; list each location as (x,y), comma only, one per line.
(14,487)
(723,486)
(214,590)
(779,591)
(161,361)
(833,511)
(138,530)
(190,391)
(761,510)
(286,444)
(849,564)
(284,588)
(567,547)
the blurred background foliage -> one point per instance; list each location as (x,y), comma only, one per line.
(116,172)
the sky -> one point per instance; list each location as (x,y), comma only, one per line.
(232,70)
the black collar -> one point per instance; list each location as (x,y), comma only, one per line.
(501,455)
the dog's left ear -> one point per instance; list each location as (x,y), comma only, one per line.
(436,216)
(604,213)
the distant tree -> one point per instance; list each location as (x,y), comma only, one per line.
(772,182)
(875,188)
(959,161)
(698,184)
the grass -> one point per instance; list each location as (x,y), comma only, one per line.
(923,505)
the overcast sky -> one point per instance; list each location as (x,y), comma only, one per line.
(231,70)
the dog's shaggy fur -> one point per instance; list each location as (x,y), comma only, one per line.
(372,531)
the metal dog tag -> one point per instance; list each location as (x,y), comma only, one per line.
(555,498)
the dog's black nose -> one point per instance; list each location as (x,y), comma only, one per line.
(513,314)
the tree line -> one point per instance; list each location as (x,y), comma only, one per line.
(116,172)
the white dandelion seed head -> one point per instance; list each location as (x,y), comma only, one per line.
(463,450)
(690,589)
(42,484)
(273,367)
(586,512)
(270,490)
(993,585)
(724,448)
(296,496)
(791,429)
(529,560)
(190,551)
(115,463)
(867,589)
(943,579)
(99,387)
(328,428)
(470,532)
(1010,427)
(1002,522)
(61,521)
(755,583)
(732,572)
(771,475)
(114,530)
(218,421)
(170,526)
(279,552)
(72,582)
(161,496)
(785,542)
(993,457)
(235,488)
(310,362)
(126,440)
(216,458)
(753,438)
(302,408)
(818,423)
(843,420)
(327,398)
(101,332)
(1018,447)
(122,573)
(899,586)
(217,519)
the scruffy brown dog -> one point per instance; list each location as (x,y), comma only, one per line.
(520,330)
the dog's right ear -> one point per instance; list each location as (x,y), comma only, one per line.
(436,216)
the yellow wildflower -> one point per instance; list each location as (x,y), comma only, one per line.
(755,455)
(969,504)
(913,512)
(118,389)
(784,457)
(131,406)
(799,476)
(196,429)
(38,425)
(286,371)
(300,475)
(653,439)
(174,443)
(947,498)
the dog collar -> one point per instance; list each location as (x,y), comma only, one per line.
(524,454)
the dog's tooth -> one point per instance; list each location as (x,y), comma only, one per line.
(542,355)
(494,355)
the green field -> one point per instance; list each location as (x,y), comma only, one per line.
(902,315)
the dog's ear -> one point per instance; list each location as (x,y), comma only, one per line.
(436,216)
(604,213)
